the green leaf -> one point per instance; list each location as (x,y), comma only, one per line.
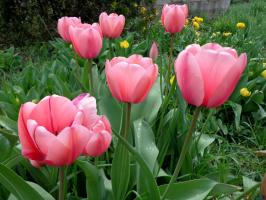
(203,142)
(94,180)
(120,172)
(111,108)
(149,108)
(16,185)
(197,189)
(8,124)
(237,111)
(146,147)
(153,191)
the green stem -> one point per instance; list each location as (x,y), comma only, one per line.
(61,183)
(184,150)
(170,61)
(110,49)
(91,89)
(127,120)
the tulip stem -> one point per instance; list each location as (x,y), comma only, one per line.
(91,89)
(110,49)
(184,150)
(61,183)
(170,61)
(127,119)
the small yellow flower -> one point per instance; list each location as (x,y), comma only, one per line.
(198,19)
(263,73)
(245,92)
(196,25)
(187,22)
(124,44)
(241,25)
(172,79)
(143,10)
(226,34)
(264,65)
(214,34)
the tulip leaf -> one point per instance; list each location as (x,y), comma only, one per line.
(197,189)
(146,147)
(111,108)
(120,172)
(152,188)
(149,108)
(94,181)
(16,185)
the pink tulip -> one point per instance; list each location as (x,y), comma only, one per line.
(99,126)
(86,39)
(56,131)
(112,25)
(207,75)
(154,51)
(63,25)
(130,79)
(174,17)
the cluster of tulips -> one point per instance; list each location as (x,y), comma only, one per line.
(56,131)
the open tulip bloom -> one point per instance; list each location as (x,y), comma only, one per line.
(207,75)
(56,131)
(63,25)
(130,79)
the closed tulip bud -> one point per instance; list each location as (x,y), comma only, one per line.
(112,25)
(86,40)
(153,51)
(207,75)
(174,17)
(63,25)
(130,79)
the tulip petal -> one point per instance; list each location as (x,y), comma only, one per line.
(227,85)
(57,112)
(189,78)
(174,20)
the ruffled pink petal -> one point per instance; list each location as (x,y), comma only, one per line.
(189,78)
(28,146)
(212,46)
(193,49)
(75,139)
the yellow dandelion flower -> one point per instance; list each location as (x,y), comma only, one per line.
(226,34)
(172,79)
(196,25)
(241,25)
(245,92)
(198,19)
(124,44)
(263,73)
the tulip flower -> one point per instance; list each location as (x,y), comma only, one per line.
(56,131)
(63,25)
(86,39)
(99,126)
(174,17)
(112,25)
(153,51)
(207,75)
(130,79)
